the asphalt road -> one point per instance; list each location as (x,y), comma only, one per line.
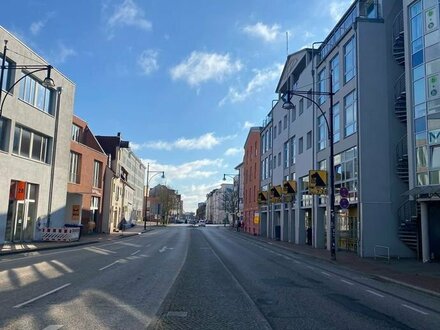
(199,278)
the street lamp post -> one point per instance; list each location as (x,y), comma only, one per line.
(238,190)
(47,82)
(147,190)
(288,105)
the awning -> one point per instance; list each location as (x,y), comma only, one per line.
(423,190)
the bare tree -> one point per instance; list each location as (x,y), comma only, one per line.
(229,203)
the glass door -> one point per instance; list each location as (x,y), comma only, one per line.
(18,221)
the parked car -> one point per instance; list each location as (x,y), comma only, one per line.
(202,223)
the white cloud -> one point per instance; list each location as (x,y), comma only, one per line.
(147,61)
(61,54)
(36,27)
(260,79)
(203,168)
(260,30)
(128,14)
(233,151)
(205,141)
(337,8)
(248,125)
(200,67)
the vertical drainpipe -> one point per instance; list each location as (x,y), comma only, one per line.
(52,168)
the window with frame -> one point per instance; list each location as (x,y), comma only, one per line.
(279,158)
(274,132)
(286,154)
(309,140)
(349,60)
(334,65)
(285,121)
(30,144)
(300,145)
(350,114)
(4,133)
(301,107)
(310,96)
(306,199)
(97,166)
(34,93)
(321,133)
(292,150)
(321,86)
(7,76)
(336,123)
(274,161)
(293,114)
(279,127)
(346,172)
(75,166)
(76,133)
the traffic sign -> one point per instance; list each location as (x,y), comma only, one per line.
(344,203)
(343,192)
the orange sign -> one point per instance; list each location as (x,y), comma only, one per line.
(20,192)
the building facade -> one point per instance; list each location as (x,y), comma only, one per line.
(86,178)
(367,131)
(417,48)
(35,127)
(251,181)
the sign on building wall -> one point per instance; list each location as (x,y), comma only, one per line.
(76,209)
(256,218)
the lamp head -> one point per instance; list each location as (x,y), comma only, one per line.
(163,175)
(288,105)
(48,81)
(224,177)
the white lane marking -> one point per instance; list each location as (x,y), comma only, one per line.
(296,261)
(270,243)
(349,283)
(287,258)
(53,327)
(326,274)
(135,252)
(163,249)
(113,263)
(415,309)
(42,296)
(310,267)
(375,293)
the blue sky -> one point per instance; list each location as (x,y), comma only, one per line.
(181,80)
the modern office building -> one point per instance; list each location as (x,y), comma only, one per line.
(85,188)
(416,45)
(368,131)
(35,126)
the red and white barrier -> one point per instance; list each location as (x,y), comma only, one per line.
(60,234)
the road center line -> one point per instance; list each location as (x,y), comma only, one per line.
(135,252)
(375,293)
(42,296)
(349,283)
(415,309)
(326,274)
(109,265)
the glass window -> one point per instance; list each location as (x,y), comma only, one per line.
(435,157)
(334,64)
(416,27)
(419,91)
(422,158)
(293,114)
(419,72)
(434,177)
(7,79)
(422,179)
(36,147)
(4,132)
(350,114)
(421,139)
(310,96)
(279,158)
(420,124)
(349,60)
(336,123)
(300,146)
(420,110)
(309,140)
(76,132)
(321,86)
(285,121)
(321,133)
(32,92)
(416,8)
(286,154)
(292,150)
(25,145)
(74,167)
(97,174)
(279,127)
(301,107)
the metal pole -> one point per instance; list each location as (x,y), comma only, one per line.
(146,197)
(2,73)
(332,176)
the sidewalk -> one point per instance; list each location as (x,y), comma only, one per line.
(6,249)
(407,272)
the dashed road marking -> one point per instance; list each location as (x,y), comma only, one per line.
(326,274)
(415,309)
(113,263)
(310,267)
(135,252)
(42,296)
(349,283)
(53,327)
(375,293)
